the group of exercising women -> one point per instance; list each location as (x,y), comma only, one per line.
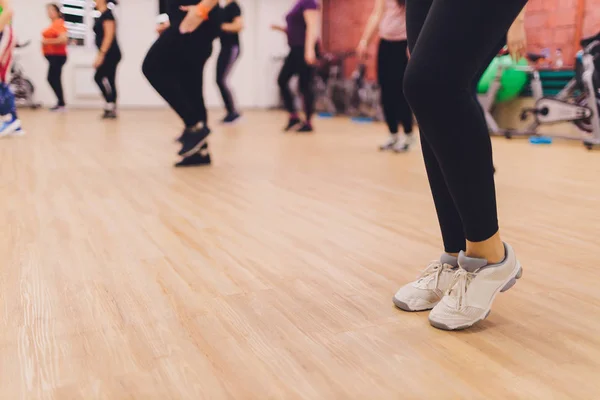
(54,47)
(450,43)
(431,55)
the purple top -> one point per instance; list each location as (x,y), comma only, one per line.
(296,25)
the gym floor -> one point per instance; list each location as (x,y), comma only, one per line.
(271,273)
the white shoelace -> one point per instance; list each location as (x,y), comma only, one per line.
(433,271)
(459,285)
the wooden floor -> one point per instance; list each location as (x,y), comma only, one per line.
(270,274)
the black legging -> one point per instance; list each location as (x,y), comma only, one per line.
(295,64)
(174,66)
(391,65)
(106,75)
(227,57)
(55,76)
(451,41)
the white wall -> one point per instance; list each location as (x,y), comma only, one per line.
(253,79)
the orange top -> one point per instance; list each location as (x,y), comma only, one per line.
(55,30)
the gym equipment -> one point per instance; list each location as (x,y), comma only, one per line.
(364,96)
(571,104)
(512,80)
(330,85)
(20,85)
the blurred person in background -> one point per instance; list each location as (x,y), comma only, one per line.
(174,66)
(233,23)
(10,125)
(108,57)
(302,34)
(54,47)
(389,16)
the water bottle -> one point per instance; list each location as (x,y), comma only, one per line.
(546,59)
(558,59)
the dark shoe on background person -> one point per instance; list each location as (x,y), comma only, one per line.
(109,114)
(305,128)
(292,123)
(192,140)
(231,118)
(58,108)
(198,159)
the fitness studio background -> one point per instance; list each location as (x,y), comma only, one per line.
(253,78)
(550,24)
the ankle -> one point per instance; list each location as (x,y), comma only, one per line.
(492,249)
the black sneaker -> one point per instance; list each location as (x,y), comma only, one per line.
(109,114)
(293,122)
(192,141)
(58,108)
(231,118)
(198,159)
(305,128)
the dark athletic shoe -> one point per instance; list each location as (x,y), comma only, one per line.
(109,114)
(231,118)
(193,140)
(195,160)
(305,128)
(293,122)
(202,157)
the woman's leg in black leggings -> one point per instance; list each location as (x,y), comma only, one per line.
(390,79)
(105,78)
(307,76)
(163,67)
(227,58)
(450,41)
(56,64)
(288,70)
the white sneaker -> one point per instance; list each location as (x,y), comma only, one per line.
(390,143)
(404,144)
(424,293)
(473,290)
(10,128)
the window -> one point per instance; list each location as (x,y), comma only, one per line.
(75,12)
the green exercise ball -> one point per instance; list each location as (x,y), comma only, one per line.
(512,81)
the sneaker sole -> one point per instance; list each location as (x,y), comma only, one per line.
(234,122)
(507,285)
(404,307)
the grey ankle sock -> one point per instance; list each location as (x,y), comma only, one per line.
(469,263)
(446,258)
(473,264)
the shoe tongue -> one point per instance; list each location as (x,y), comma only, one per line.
(471,264)
(448,259)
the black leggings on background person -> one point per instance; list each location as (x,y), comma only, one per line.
(295,64)
(227,57)
(105,77)
(174,66)
(392,59)
(454,136)
(55,76)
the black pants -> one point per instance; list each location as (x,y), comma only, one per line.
(451,41)
(55,76)
(227,58)
(391,65)
(174,66)
(106,75)
(295,64)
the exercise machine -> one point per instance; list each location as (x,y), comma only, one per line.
(20,85)
(364,97)
(330,85)
(578,102)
